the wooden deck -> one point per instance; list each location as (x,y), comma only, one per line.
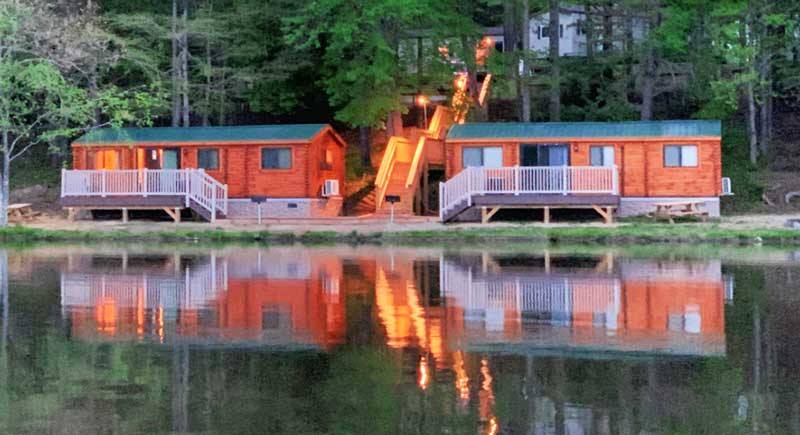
(168,190)
(491,203)
(493,189)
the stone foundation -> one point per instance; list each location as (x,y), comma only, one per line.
(642,206)
(244,208)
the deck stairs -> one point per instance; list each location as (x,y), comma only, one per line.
(403,163)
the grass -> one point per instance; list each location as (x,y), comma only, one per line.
(634,233)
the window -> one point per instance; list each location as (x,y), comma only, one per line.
(490,157)
(208,158)
(579,30)
(680,155)
(276,158)
(544,32)
(327,162)
(601,155)
(560,30)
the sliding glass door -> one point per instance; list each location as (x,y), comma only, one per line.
(543,155)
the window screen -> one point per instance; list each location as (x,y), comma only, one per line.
(490,157)
(680,155)
(276,158)
(472,157)
(208,158)
(601,155)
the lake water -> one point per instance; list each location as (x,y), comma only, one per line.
(378,340)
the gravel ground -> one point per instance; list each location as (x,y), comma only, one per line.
(367,226)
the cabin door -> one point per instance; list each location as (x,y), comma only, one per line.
(544,155)
(167,158)
(171,159)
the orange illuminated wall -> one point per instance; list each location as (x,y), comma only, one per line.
(647,305)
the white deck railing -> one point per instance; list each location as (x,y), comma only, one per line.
(515,180)
(193,184)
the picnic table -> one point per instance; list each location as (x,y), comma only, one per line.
(21,212)
(671,210)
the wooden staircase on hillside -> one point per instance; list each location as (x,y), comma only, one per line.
(404,161)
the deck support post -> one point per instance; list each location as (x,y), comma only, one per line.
(124,215)
(607,214)
(174,214)
(546,215)
(71,213)
(487,213)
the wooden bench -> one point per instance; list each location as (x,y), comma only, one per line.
(21,212)
(671,210)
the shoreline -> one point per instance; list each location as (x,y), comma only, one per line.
(409,234)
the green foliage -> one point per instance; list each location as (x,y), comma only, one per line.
(745,176)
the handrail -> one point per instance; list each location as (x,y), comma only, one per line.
(434,131)
(413,171)
(193,184)
(518,180)
(484,90)
(386,168)
(386,161)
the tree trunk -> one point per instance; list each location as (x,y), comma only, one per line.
(648,83)
(364,148)
(207,108)
(525,90)
(608,27)
(511,34)
(765,118)
(176,106)
(752,134)
(588,30)
(222,112)
(555,70)
(4,192)
(185,64)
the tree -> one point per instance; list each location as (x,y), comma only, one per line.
(554,56)
(38,100)
(360,43)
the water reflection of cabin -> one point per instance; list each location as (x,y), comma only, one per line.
(299,168)
(621,167)
(278,303)
(610,306)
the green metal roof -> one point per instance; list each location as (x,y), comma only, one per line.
(505,130)
(281,132)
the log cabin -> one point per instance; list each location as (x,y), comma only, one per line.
(215,171)
(615,168)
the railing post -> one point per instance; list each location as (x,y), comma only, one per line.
(213,204)
(441,200)
(63,181)
(145,185)
(517,189)
(564,179)
(103,185)
(614,180)
(188,193)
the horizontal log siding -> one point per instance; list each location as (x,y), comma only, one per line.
(642,171)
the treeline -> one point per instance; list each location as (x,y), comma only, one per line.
(225,62)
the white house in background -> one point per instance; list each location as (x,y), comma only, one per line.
(572,38)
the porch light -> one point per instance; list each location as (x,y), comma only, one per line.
(423,101)
(460,82)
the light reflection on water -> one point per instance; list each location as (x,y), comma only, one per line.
(380,340)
